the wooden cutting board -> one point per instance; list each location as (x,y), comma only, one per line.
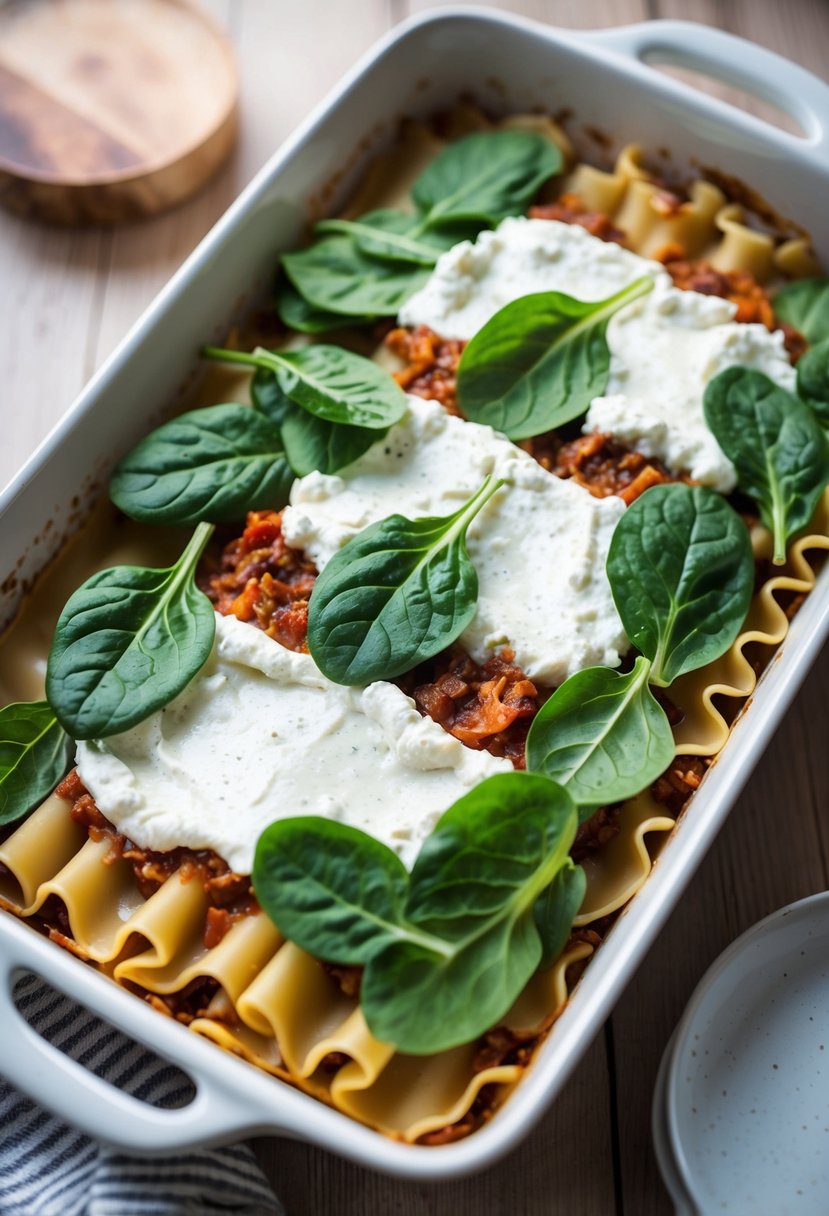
(110,109)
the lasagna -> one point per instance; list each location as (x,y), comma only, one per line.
(141,860)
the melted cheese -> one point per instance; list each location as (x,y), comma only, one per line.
(539,546)
(259,735)
(664,347)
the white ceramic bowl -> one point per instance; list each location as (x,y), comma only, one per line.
(662,1144)
(745,1097)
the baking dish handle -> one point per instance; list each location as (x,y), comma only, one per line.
(760,72)
(217,1114)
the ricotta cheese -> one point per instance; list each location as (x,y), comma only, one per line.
(539,546)
(475,279)
(259,735)
(664,347)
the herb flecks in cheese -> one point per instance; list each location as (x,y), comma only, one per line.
(539,547)
(260,735)
(664,348)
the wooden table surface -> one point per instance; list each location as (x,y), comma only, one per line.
(69,297)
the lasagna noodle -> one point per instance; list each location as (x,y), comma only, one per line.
(36,851)
(234,963)
(618,870)
(275,1005)
(705,225)
(292,1003)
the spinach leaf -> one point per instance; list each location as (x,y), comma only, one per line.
(209,464)
(398,593)
(392,235)
(777,447)
(127,642)
(602,735)
(333,889)
(805,305)
(35,753)
(310,442)
(268,397)
(681,571)
(813,380)
(295,312)
(329,382)
(557,908)
(485,177)
(335,276)
(474,886)
(539,361)
(447,949)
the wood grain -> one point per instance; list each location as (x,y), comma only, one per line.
(69,297)
(110,109)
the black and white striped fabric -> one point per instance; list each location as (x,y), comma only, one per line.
(50,1169)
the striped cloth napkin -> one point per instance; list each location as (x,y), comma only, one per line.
(50,1169)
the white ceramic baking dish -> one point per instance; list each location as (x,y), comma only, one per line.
(425,65)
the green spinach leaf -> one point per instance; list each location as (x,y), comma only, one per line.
(210,464)
(329,382)
(448,949)
(127,642)
(539,361)
(813,380)
(681,571)
(485,177)
(336,891)
(35,753)
(602,735)
(295,312)
(557,908)
(777,447)
(268,397)
(335,276)
(398,593)
(310,442)
(392,235)
(805,305)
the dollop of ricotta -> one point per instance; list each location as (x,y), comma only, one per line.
(259,735)
(475,279)
(664,347)
(539,546)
